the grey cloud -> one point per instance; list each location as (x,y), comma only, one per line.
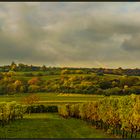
(72,34)
(132,44)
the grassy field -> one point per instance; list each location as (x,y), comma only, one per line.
(50,125)
(53,98)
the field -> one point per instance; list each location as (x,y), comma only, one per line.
(59,89)
(53,98)
(50,125)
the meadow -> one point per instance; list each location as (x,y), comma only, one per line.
(50,125)
(53,98)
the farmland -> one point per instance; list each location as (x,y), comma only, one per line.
(50,125)
(118,116)
(43,93)
(53,98)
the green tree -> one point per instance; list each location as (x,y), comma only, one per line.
(13,66)
(43,68)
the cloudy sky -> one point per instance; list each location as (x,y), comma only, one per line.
(75,34)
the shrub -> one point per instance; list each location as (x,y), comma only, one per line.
(42,109)
(33,88)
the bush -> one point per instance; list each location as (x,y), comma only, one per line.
(39,74)
(113,91)
(64,110)
(28,74)
(42,109)
(33,88)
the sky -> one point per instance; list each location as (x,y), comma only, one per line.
(74,34)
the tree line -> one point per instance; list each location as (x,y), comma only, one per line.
(56,70)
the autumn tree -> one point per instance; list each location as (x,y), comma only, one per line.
(65,71)
(33,88)
(18,86)
(34,81)
(30,100)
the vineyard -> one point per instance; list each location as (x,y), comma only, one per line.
(117,116)
(10,112)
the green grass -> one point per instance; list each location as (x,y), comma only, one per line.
(50,125)
(53,98)
(49,77)
(46,76)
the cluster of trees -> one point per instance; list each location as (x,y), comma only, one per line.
(123,85)
(69,70)
(10,112)
(67,83)
(118,71)
(29,68)
(119,116)
(21,67)
(11,85)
